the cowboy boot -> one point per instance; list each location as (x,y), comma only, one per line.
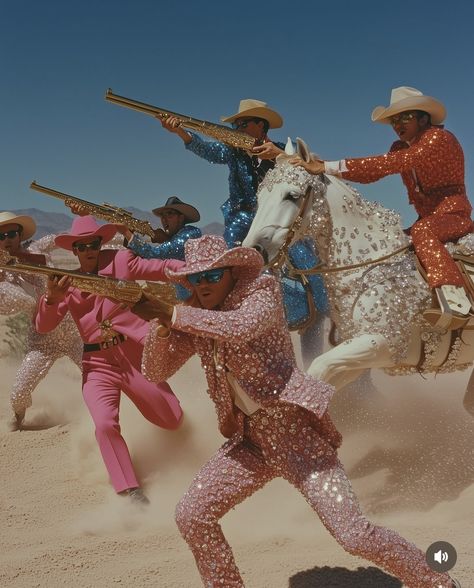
(454,309)
(16,421)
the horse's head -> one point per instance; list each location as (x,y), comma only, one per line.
(285,200)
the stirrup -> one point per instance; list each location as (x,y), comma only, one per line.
(453,299)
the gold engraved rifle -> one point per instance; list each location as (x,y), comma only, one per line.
(125,291)
(105,211)
(224,134)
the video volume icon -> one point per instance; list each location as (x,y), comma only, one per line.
(441,556)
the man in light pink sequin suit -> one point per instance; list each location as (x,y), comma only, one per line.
(113,343)
(274,415)
(19,293)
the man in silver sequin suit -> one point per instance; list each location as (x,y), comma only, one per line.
(274,416)
(20,293)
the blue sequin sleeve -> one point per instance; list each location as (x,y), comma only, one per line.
(212,151)
(303,256)
(172,249)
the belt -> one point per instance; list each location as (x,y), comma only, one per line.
(116,340)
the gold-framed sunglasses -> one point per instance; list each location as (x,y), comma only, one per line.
(403,117)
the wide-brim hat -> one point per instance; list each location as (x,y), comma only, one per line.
(210,252)
(250,107)
(191,214)
(406,98)
(82,227)
(27,223)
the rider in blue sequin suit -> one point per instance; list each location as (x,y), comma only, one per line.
(246,171)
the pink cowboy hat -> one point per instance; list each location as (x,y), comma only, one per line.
(82,227)
(209,252)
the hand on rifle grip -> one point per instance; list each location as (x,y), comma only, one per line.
(77,208)
(150,307)
(57,289)
(173,125)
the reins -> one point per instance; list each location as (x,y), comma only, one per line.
(282,255)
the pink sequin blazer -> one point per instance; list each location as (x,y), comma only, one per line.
(249,337)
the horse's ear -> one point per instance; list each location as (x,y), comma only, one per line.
(289,148)
(303,150)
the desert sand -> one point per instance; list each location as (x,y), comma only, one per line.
(407,448)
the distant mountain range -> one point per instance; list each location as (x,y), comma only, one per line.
(58,222)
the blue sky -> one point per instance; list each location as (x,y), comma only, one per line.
(323,66)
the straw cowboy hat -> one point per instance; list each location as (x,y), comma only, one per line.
(406,98)
(26,222)
(82,227)
(210,252)
(250,107)
(191,214)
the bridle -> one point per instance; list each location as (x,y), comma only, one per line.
(282,258)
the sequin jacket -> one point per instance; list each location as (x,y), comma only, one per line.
(20,292)
(438,162)
(90,310)
(242,191)
(250,338)
(171,249)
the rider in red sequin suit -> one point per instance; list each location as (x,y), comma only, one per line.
(430,161)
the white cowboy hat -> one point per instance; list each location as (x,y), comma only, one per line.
(250,107)
(406,98)
(27,223)
(210,252)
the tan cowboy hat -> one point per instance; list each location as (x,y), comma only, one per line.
(191,214)
(27,223)
(406,98)
(210,252)
(250,107)
(82,227)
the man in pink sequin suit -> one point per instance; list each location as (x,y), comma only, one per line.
(113,344)
(20,293)
(430,161)
(273,414)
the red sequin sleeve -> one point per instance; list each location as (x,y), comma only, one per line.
(434,145)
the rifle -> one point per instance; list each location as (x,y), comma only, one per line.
(224,134)
(105,211)
(125,291)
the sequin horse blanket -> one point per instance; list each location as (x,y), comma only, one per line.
(376,294)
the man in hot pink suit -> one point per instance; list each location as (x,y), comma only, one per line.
(113,343)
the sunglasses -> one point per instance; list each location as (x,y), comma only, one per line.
(211,276)
(9,234)
(402,118)
(243,124)
(94,246)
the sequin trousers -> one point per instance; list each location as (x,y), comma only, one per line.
(285,444)
(450,220)
(19,294)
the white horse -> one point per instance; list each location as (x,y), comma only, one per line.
(376,293)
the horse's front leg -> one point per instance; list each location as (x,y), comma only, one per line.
(345,362)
